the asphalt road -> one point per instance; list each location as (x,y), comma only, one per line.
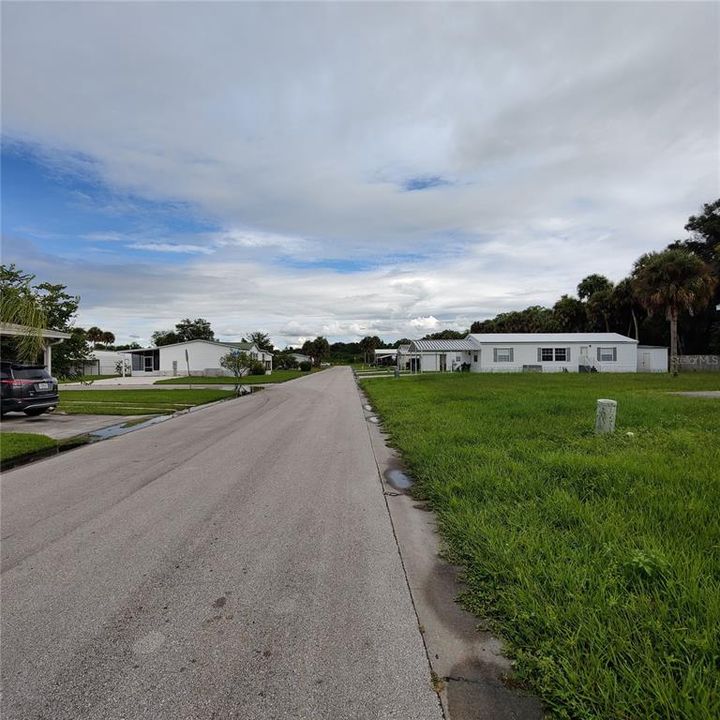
(237,562)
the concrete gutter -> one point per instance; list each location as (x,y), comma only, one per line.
(473,677)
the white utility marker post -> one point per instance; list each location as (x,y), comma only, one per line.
(605,416)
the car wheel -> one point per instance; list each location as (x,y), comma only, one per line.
(33,413)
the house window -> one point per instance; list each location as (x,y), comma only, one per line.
(503,354)
(554,354)
(607,354)
(475,357)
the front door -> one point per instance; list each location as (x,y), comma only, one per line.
(584,356)
(443,363)
(148,363)
(645,361)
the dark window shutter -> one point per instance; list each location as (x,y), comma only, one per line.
(494,354)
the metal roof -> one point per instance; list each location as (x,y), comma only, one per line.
(589,338)
(15,329)
(233,345)
(442,345)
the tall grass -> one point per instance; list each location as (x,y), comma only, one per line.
(597,557)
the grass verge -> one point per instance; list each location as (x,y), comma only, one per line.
(136,402)
(598,558)
(277,376)
(14,445)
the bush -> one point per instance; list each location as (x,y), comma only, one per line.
(306,366)
(256,368)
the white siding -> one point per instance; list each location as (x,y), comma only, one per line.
(103,362)
(578,350)
(527,354)
(201,355)
(652,359)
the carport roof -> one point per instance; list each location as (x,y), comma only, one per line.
(442,345)
(15,329)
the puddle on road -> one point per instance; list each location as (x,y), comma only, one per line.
(122,428)
(398,479)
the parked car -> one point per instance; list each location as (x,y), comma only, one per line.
(27,388)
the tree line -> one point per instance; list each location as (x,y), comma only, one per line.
(669,297)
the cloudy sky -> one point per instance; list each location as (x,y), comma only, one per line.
(348,169)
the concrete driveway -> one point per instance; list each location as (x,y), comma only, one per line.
(59,426)
(237,562)
(115,382)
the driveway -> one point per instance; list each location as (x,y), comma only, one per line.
(238,562)
(59,426)
(114,382)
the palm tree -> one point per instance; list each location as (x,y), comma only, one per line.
(625,301)
(94,335)
(107,338)
(673,281)
(19,306)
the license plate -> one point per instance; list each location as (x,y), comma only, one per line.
(43,386)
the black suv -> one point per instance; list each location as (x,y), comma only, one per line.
(27,388)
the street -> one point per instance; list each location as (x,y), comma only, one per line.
(236,562)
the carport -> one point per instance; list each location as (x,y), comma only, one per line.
(50,338)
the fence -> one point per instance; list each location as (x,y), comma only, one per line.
(698,363)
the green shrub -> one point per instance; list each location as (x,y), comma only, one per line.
(256,368)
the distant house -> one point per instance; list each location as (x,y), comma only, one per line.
(201,356)
(103,362)
(49,338)
(531,352)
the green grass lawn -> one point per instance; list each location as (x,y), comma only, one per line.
(277,376)
(598,558)
(14,445)
(136,402)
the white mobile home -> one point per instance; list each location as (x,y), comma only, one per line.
(526,352)
(202,357)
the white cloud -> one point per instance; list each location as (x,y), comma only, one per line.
(105,237)
(425,324)
(574,137)
(182,248)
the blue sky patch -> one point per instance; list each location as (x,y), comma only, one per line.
(66,207)
(424,182)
